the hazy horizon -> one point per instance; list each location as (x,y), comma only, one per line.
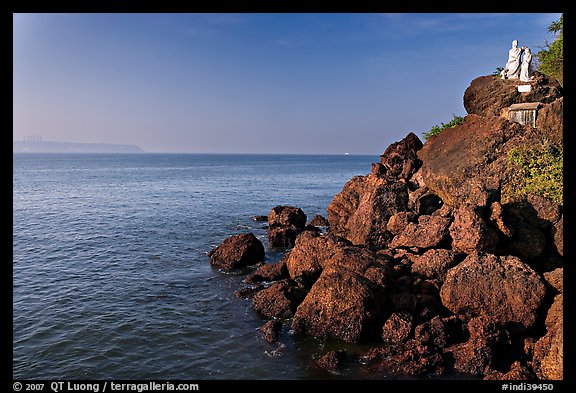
(253,83)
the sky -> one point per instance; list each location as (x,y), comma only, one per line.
(303,83)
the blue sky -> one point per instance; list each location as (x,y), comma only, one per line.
(254,83)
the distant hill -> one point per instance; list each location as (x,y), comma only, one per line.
(68,147)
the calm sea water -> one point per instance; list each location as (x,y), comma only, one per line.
(110,273)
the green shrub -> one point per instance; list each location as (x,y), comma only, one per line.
(536,171)
(551,59)
(456,120)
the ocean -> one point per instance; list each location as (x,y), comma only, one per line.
(110,274)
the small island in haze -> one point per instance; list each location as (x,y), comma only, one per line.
(39,146)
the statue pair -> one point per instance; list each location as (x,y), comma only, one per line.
(516,69)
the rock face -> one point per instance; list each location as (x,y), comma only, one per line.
(398,327)
(459,164)
(549,350)
(487,95)
(550,119)
(503,288)
(268,272)
(237,251)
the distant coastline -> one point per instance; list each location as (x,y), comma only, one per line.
(69,147)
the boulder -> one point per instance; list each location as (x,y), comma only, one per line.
(399,160)
(398,327)
(287,216)
(399,221)
(319,221)
(343,303)
(497,218)
(360,212)
(332,361)
(284,224)
(405,359)
(277,301)
(268,272)
(470,232)
(488,95)
(237,251)
(427,233)
(488,348)
(310,254)
(556,279)
(434,263)
(441,332)
(270,330)
(501,287)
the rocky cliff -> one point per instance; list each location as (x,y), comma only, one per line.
(435,258)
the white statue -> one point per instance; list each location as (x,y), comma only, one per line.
(512,68)
(525,67)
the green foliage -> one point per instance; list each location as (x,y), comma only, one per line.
(498,71)
(536,171)
(456,120)
(551,58)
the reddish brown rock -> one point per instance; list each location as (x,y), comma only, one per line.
(496,216)
(409,358)
(399,160)
(270,330)
(311,253)
(237,251)
(284,224)
(332,361)
(548,352)
(287,216)
(277,301)
(427,233)
(248,292)
(517,372)
(434,263)
(487,95)
(558,234)
(501,287)
(440,332)
(398,327)
(488,348)
(360,212)
(342,303)
(470,232)
(556,279)
(550,119)
(399,221)
(319,221)
(467,163)
(268,272)
(424,202)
